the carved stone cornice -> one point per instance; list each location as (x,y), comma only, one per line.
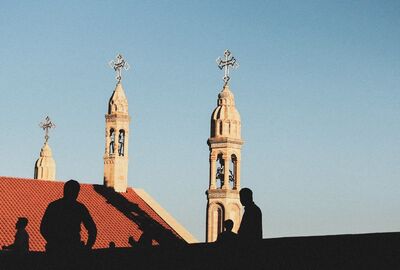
(222,193)
(114,117)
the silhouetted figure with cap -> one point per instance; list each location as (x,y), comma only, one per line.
(146,238)
(227,236)
(21,240)
(61,223)
(131,241)
(251,225)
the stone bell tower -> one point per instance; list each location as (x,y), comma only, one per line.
(225,145)
(117,134)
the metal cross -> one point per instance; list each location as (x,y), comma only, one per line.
(226,64)
(118,64)
(46,125)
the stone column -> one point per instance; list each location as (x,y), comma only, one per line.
(126,142)
(226,171)
(106,151)
(116,143)
(213,172)
(237,174)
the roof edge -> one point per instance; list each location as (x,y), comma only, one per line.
(167,217)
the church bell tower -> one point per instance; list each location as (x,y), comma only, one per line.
(117,133)
(225,144)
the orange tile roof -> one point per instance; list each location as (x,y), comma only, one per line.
(116,215)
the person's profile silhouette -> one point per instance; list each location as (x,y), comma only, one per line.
(131,241)
(146,239)
(227,236)
(251,225)
(21,239)
(61,223)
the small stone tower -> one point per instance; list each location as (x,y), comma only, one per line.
(45,166)
(225,144)
(117,134)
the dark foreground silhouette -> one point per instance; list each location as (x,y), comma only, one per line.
(227,236)
(61,223)
(21,239)
(251,225)
(338,252)
(152,230)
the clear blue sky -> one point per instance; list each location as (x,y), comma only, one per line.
(318,90)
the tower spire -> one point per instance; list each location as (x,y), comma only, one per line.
(117,133)
(225,145)
(45,166)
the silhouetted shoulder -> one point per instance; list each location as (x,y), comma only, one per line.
(81,205)
(55,203)
(256,209)
(251,226)
(227,237)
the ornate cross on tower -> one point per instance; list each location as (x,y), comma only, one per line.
(229,61)
(118,64)
(46,125)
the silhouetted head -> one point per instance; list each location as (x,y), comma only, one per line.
(111,245)
(21,223)
(228,224)
(246,196)
(71,190)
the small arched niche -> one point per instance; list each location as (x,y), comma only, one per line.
(217,218)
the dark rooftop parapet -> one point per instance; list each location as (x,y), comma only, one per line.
(360,251)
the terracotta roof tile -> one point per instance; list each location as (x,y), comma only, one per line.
(116,215)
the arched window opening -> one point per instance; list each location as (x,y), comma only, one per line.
(220,127)
(220,171)
(112,141)
(121,142)
(233,172)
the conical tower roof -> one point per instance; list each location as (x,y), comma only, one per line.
(118,103)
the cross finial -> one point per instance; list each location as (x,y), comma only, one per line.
(47,125)
(228,62)
(118,64)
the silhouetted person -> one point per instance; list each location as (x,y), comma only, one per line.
(111,245)
(21,239)
(251,225)
(227,236)
(146,239)
(61,223)
(131,241)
